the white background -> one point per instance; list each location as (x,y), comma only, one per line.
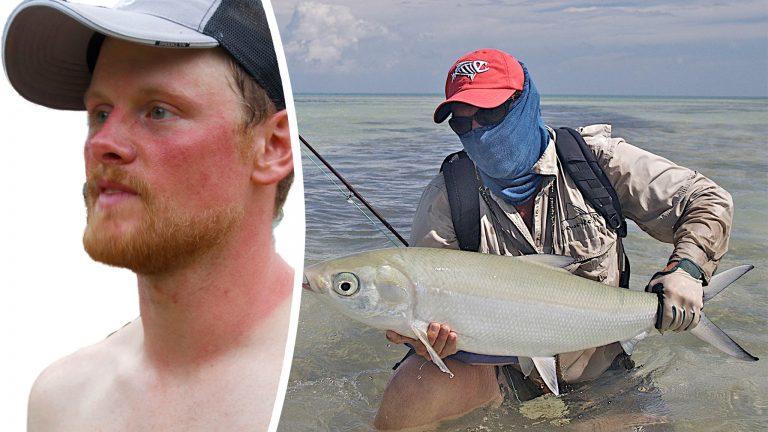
(53,298)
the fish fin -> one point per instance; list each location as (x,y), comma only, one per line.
(526,365)
(707,331)
(721,280)
(422,335)
(548,371)
(629,345)
(549,260)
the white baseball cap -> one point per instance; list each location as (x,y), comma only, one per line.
(50,46)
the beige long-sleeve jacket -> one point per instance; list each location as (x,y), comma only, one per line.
(671,203)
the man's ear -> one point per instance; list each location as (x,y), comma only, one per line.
(274,160)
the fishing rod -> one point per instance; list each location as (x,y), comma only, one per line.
(354,191)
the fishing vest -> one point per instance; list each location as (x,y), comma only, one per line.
(463,187)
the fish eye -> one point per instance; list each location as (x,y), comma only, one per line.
(345,284)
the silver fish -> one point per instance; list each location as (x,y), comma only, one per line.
(528,306)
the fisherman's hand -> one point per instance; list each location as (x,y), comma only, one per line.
(441,337)
(586,365)
(681,296)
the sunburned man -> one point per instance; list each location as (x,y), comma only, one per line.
(188,162)
(529,203)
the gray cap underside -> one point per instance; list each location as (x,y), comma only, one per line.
(45,44)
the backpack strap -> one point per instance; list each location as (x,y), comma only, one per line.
(462,185)
(580,163)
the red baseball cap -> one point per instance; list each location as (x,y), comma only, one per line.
(484,78)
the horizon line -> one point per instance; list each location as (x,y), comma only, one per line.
(543,95)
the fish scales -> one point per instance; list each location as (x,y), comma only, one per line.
(500,305)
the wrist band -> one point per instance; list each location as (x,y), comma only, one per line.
(691,268)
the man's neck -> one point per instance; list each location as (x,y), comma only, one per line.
(526,212)
(215,304)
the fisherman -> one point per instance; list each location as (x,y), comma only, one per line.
(529,202)
(188,163)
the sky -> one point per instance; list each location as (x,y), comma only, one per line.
(654,47)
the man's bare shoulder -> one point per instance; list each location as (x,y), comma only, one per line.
(62,390)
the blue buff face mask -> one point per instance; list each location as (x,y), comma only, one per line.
(505,153)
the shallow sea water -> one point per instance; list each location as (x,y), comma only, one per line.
(388,147)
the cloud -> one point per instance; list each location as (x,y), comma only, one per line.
(407,45)
(618,10)
(322,35)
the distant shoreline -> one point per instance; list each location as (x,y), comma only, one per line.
(550,96)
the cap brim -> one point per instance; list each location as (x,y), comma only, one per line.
(481,98)
(45,44)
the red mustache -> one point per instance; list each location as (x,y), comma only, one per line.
(114,178)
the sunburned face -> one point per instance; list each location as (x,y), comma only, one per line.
(166,176)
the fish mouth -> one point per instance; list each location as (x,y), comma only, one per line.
(315,281)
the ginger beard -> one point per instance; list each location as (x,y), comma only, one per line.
(165,239)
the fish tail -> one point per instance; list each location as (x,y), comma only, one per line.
(720,281)
(707,331)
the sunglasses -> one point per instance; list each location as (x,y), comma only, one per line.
(483,117)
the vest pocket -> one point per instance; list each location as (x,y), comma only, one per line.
(589,241)
(584,232)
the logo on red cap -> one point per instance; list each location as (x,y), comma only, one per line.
(470,68)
